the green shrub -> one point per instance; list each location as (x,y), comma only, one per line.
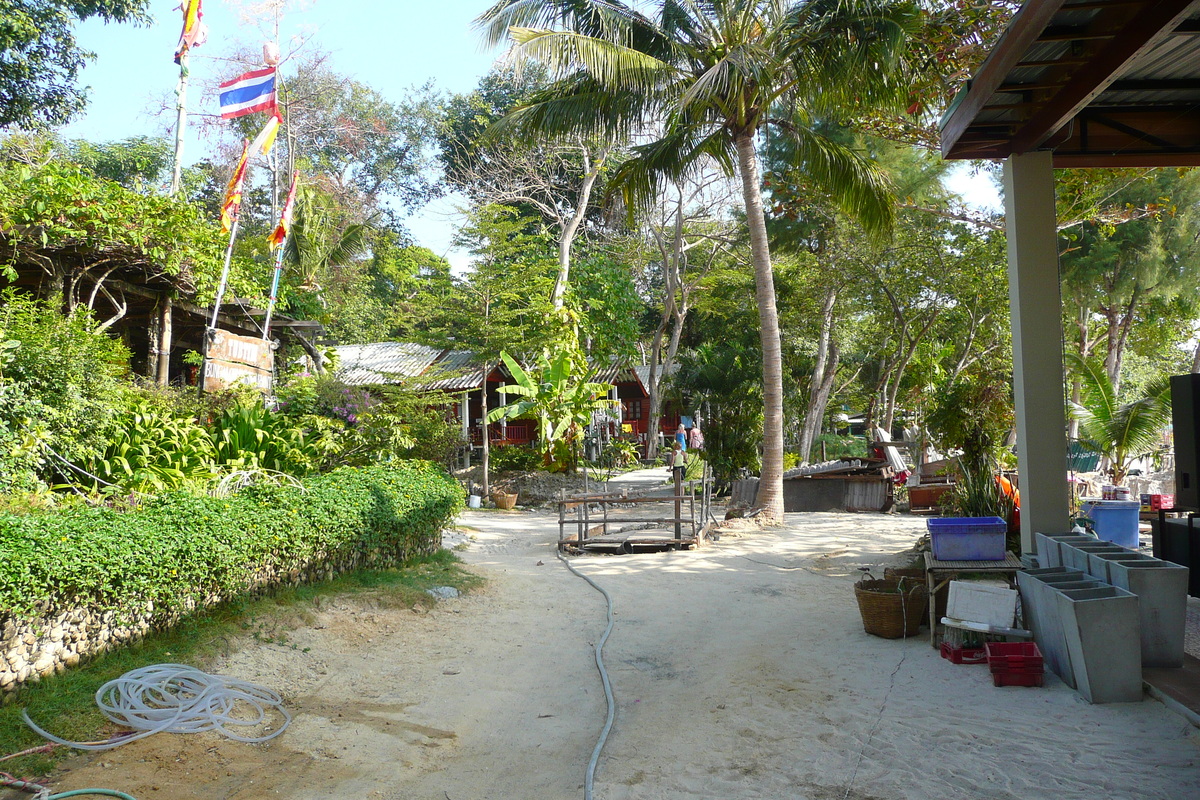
(181,550)
(515,457)
(248,436)
(62,388)
(153,451)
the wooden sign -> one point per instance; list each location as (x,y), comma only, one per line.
(234,359)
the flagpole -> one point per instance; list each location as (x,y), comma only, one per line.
(225,272)
(211,330)
(180,122)
(274,288)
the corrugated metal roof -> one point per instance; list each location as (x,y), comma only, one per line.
(1101,83)
(383,362)
(616,373)
(456,371)
(643,374)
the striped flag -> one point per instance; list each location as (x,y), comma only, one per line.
(266,138)
(195,32)
(245,94)
(233,192)
(280,234)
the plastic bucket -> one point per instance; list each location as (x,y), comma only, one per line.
(1116,520)
(474,501)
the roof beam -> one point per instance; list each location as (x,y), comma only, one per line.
(1022,32)
(1153,24)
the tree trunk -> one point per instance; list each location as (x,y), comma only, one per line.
(823,373)
(569,231)
(487,449)
(770,483)
(655,392)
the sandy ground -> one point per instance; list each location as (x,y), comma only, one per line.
(741,670)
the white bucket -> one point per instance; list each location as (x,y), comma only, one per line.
(474,501)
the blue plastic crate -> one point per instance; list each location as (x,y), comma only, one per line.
(967,538)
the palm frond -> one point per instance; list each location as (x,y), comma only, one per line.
(679,152)
(600,18)
(612,65)
(857,184)
(1100,400)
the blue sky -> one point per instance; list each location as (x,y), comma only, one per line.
(388,46)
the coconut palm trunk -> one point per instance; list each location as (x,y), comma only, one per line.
(770,482)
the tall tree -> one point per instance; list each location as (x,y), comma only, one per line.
(710,76)
(40,59)
(1132,261)
(554,176)
(502,304)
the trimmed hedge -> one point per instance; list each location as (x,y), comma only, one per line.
(181,551)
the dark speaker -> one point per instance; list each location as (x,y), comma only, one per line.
(1185,419)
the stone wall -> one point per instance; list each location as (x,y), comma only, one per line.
(31,649)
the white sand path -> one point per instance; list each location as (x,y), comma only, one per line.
(741,670)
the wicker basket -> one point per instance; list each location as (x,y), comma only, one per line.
(892,607)
(506,500)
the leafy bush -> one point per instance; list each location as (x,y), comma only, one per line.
(248,436)
(514,457)
(60,387)
(153,451)
(366,426)
(180,550)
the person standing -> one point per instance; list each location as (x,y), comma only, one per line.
(695,438)
(681,437)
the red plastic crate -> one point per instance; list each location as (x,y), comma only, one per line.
(1017,678)
(1014,657)
(963,655)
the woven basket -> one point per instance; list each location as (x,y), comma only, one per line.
(505,500)
(891,608)
(940,596)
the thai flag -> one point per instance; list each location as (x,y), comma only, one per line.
(245,94)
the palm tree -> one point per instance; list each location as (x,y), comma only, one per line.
(706,77)
(1120,432)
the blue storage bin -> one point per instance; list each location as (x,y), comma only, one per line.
(967,538)
(1116,520)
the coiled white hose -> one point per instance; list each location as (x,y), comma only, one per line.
(175,698)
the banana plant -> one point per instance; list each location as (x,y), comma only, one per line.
(559,396)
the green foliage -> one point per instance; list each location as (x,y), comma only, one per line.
(839,446)
(137,163)
(60,205)
(609,307)
(153,451)
(515,457)
(562,400)
(1119,431)
(179,550)
(358,426)
(725,376)
(248,436)
(40,59)
(972,413)
(60,388)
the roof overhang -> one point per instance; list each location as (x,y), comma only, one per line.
(1102,83)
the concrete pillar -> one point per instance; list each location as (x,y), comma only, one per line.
(1035,305)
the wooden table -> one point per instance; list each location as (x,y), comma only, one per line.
(940,573)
